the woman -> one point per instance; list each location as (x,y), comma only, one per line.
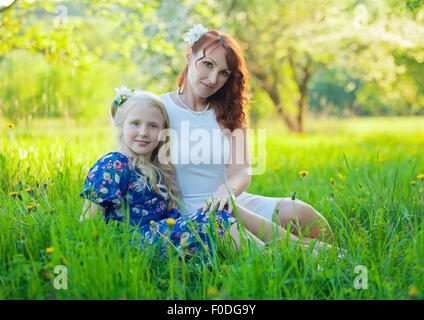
(211,98)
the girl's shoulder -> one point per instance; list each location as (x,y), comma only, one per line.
(114,156)
(111,161)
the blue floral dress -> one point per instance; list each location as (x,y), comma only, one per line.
(112,184)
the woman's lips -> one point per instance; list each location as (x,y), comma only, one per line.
(208,87)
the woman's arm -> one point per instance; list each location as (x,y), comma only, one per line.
(92,213)
(238,174)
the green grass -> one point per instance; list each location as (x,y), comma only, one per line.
(372,207)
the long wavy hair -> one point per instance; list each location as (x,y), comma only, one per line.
(160,173)
(231,100)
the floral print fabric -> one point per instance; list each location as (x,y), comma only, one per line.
(112,184)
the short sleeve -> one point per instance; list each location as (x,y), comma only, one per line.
(106,182)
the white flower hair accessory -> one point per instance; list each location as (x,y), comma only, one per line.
(194,34)
(122,95)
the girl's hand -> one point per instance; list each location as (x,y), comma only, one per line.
(220,199)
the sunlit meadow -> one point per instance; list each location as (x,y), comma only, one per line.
(364,175)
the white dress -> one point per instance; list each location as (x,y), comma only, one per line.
(200,154)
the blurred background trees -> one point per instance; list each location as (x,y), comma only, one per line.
(332,58)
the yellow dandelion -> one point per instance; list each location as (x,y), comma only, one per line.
(211,291)
(28,189)
(13,194)
(340,176)
(413,292)
(96,234)
(413,182)
(30,207)
(50,250)
(10,125)
(276,167)
(170,222)
(421,176)
(331,180)
(303,173)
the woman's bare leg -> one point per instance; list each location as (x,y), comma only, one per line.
(235,233)
(267,230)
(304,219)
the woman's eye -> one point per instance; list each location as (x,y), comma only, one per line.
(135,123)
(208,64)
(153,126)
(225,73)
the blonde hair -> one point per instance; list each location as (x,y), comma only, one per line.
(155,168)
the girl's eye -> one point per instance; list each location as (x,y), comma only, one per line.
(225,73)
(153,126)
(135,123)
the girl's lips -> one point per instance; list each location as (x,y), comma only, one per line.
(142,142)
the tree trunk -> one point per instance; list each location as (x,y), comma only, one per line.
(302,85)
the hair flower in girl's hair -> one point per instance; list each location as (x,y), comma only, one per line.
(122,95)
(194,34)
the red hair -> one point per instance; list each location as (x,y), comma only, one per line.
(229,101)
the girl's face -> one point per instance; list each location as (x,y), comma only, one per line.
(141,129)
(210,73)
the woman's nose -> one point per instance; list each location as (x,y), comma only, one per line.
(212,77)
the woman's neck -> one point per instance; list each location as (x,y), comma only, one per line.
(192,100)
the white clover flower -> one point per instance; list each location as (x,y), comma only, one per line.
(194,34)
(122,94)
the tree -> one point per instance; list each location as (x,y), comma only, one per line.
(287,40)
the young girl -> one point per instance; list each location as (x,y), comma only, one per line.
(134,178)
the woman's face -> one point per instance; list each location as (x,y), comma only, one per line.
(210,73)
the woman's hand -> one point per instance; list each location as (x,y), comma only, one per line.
(220,199)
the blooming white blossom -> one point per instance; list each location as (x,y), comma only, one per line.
(194,34)
(122,94)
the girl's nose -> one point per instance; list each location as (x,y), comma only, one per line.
(142,130)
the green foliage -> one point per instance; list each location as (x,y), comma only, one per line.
(372,207)
(355,58)
(414,4)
